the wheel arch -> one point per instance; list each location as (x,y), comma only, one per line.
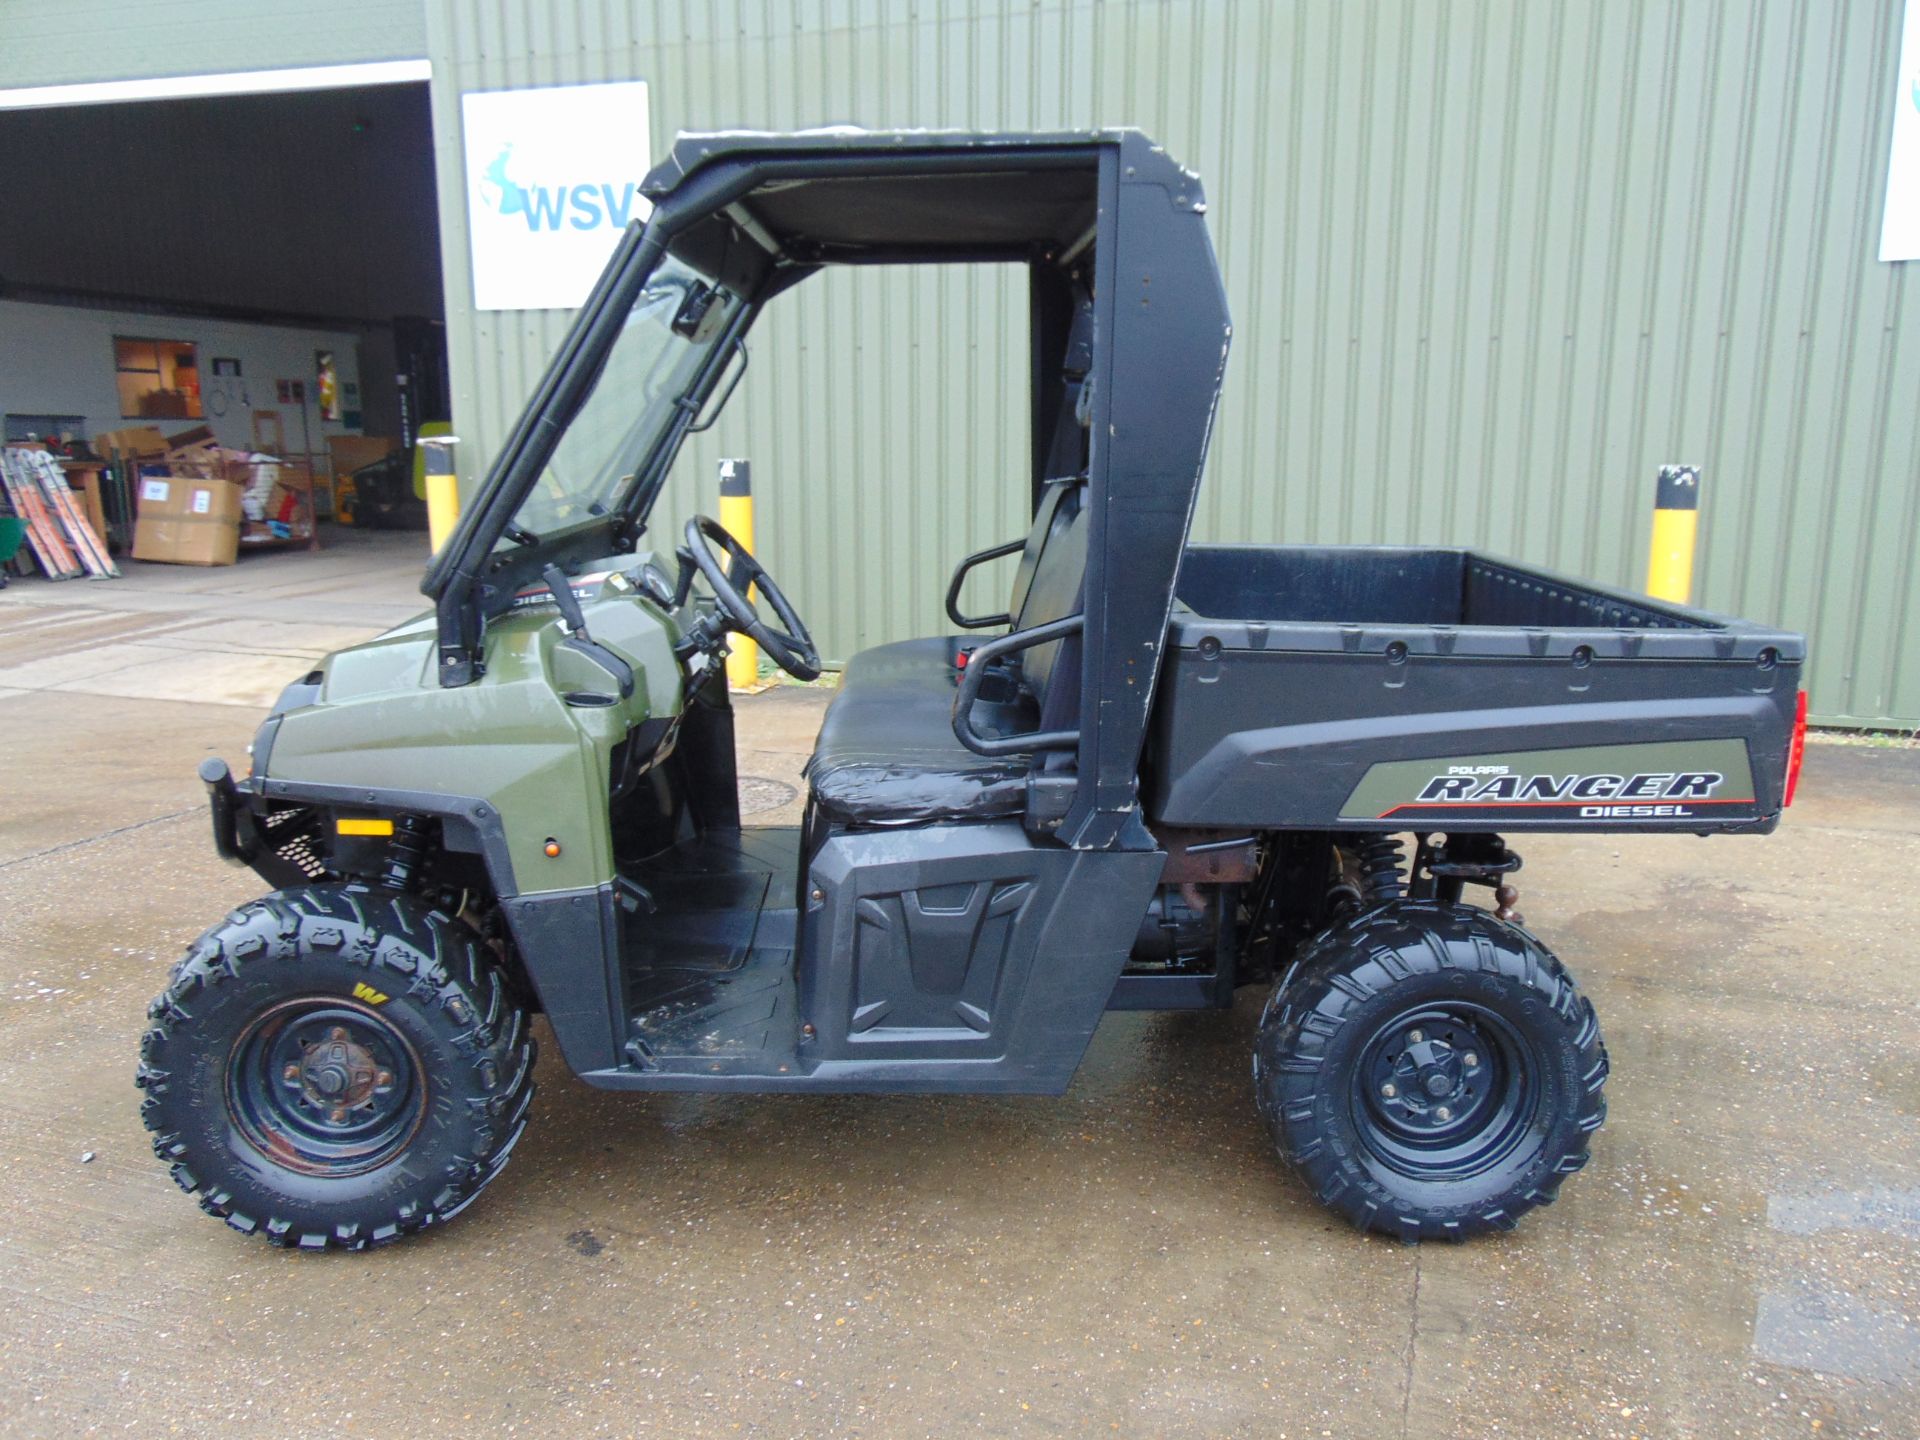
(468,823)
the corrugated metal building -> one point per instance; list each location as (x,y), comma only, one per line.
(1491,263)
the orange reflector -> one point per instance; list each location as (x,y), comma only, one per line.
(552,847)
(1797,751)
(363,827)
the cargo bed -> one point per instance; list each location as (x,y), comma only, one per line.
(1379,688)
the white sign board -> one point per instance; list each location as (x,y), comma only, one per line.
(1900,232)
(553,178)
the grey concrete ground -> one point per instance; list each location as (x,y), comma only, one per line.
(1742,1257)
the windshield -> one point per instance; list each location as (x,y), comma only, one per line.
(668,335)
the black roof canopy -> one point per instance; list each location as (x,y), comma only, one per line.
(1112,230)
(915,191)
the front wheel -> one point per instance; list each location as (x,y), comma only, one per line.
(1430,1070)
(336,1067)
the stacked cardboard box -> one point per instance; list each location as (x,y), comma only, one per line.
(199,503)
(187,520)
(188,504)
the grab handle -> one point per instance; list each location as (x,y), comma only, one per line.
(975,674)
(979,557)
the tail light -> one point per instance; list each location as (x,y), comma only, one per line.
(1797,751)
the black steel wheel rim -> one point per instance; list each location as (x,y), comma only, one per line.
(326,1087)
(1447,1091)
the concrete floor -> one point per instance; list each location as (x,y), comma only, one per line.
(1741,1258)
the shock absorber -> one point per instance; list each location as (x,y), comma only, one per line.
(1381,881)
(403,852)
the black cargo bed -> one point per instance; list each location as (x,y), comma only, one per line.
(1381,688)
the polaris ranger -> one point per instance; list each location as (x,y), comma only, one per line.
(1161,772)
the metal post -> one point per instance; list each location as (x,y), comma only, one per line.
(442,486)
(1676,513)
(736,518)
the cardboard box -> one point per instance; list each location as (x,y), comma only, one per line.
(83,478)
(350,452)
(187,520)
(134,440)
(196,447)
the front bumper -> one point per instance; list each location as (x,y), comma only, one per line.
(275,842)
(235,835)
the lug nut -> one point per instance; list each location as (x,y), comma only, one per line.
(1389,1090)
(339,1115)
(1470,1060)
(339,1032)
(291,1074)
(385,1077)
(1414,1037)
(1442,1113)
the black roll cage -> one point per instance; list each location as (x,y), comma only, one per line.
(1160,329)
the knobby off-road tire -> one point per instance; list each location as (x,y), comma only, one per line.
(1430,1071)
(336,1067)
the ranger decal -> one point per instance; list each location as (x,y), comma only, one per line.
(1662,781)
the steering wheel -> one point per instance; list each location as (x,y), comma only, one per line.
(792,647)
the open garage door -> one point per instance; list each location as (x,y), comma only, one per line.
(253,273)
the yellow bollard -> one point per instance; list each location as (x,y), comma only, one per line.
(1676,515)
(442,486)
(736,518)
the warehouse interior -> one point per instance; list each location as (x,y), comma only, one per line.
(188,281)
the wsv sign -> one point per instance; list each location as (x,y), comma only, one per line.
(552,179)
(548,207)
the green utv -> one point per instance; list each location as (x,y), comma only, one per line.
(1163,772)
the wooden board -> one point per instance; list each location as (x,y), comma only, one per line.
(81,537)
(43,533)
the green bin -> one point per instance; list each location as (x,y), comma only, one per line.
(12,531)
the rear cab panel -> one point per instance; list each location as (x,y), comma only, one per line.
(1371,688)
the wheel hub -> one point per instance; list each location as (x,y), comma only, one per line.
(1430,1076)
(325,1087)
(338,1072)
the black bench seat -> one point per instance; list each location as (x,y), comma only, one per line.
(887,752)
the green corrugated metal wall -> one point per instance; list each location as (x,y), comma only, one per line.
(72,42)
(1491,262)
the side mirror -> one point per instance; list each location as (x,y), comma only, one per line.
(696,316)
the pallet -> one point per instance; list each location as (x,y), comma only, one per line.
(85,541)
(43,532)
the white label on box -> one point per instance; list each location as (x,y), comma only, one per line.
(155,490)
(202,501)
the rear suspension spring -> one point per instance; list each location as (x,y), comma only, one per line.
(403,852)
(1381,881)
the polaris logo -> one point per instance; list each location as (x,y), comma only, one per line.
(1511,789)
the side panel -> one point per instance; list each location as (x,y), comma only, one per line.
(1280,739)
(568,940)
(381,725)
(964,943)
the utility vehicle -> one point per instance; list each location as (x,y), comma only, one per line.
(1163,771)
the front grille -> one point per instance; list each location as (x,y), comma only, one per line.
(293,835)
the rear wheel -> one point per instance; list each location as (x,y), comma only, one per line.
(1430,1070)
(336,1066)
